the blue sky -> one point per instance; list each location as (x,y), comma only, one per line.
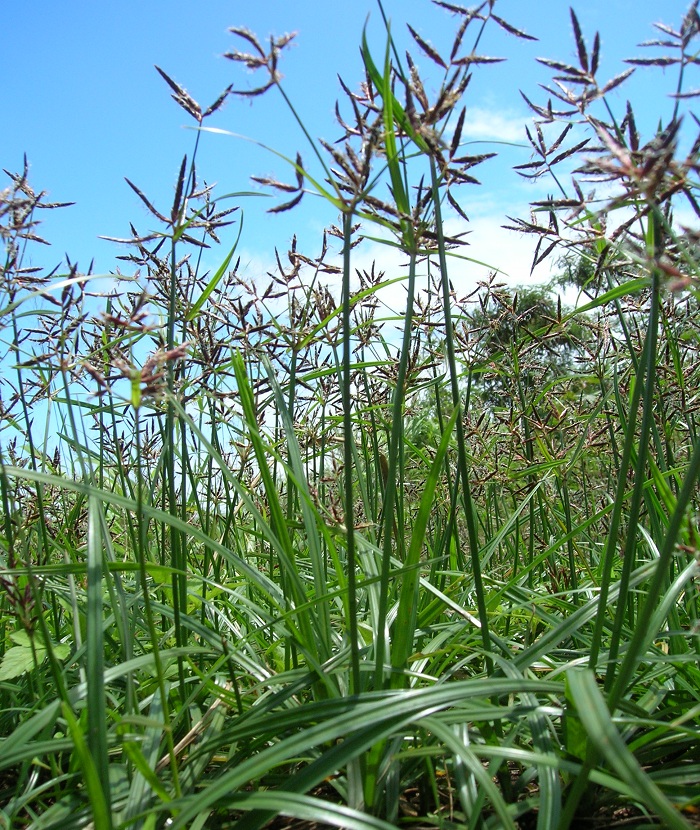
(82,98)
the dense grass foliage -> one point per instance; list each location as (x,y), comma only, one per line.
(271,548)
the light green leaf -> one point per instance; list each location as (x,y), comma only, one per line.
(21,638)
(20,659)
(17,661)
(61,651)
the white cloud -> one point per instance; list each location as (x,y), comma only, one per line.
(491,248)
(494,248)
(494,124)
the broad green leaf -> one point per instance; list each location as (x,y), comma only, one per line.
(18,660)
(21,638)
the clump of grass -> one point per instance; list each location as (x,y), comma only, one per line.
(297,554)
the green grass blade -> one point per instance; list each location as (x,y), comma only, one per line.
(310,517)
(210,287)
(405,621)
(96,700)
(99,805)
(595,717)
(307,808)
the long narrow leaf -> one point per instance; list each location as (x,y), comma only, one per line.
(594,714)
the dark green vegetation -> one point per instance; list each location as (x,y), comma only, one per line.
(286,560)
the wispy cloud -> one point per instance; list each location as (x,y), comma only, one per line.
(493,247)
(494,124)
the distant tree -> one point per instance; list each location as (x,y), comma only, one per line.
(520,341)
